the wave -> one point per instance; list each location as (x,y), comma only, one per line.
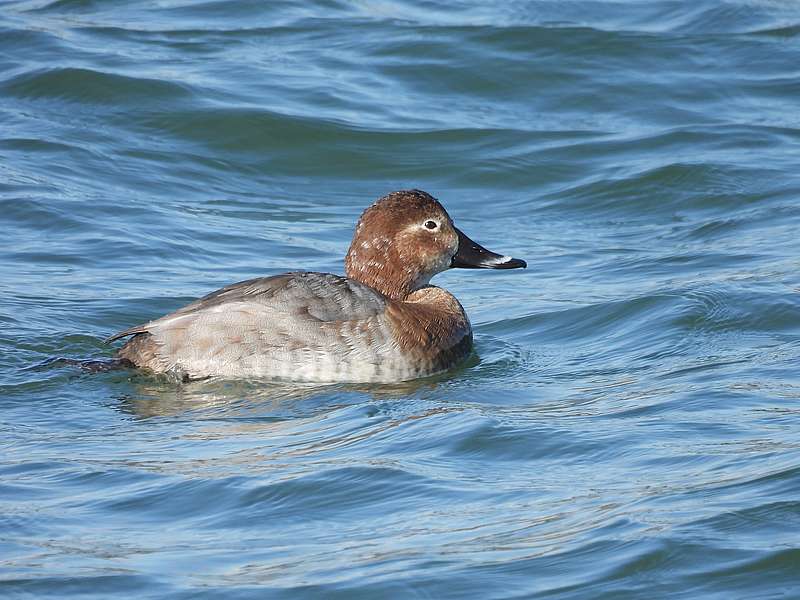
(92,86)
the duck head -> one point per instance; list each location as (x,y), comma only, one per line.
(406,238)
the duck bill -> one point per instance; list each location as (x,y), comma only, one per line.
(471,255)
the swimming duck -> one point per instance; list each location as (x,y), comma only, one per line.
(383,322)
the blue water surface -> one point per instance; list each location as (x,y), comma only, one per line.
(629,425)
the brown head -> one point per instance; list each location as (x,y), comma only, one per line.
(405,238)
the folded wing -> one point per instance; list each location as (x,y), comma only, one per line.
(295,326)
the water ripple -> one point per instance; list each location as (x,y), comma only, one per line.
(627,424)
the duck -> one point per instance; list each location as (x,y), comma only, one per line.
(383,322)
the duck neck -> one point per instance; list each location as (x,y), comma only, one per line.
(376,272)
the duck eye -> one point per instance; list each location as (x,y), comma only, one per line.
(431,224)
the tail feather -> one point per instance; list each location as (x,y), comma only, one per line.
(141,350)
(126,333)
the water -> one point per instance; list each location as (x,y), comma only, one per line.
(629,428)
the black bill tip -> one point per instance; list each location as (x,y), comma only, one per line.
(507,262)
(471,255)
